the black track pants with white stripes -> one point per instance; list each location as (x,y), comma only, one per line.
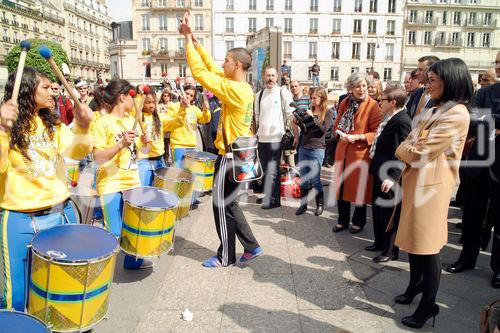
(229,218)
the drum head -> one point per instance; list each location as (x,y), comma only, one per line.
(200,155)
(74,242)
(18,322)
(151,197)
(174,174)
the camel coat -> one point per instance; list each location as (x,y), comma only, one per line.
(431,154)
(355,157)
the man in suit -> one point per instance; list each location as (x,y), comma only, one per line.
(419,99)
(386,169)
(482,185)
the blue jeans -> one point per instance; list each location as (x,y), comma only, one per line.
(112,208)
(310,161)
(316,82)
(17,230)
(147,169)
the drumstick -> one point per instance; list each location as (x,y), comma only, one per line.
(137,120)
(45,52)
(25,46)
(138,113)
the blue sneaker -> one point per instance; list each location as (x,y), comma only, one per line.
(214,262)
(247,256)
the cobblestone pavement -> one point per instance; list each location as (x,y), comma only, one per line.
(308,280)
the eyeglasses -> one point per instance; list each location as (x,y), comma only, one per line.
(384,99)
(497,62)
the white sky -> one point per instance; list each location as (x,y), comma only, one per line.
(120,10)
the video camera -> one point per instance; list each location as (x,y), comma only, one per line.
(305,120)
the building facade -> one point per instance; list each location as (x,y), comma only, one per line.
(467,29)
(124,52)
(160,48)
(344,36)
(26,19)
(81,27)
(88,33)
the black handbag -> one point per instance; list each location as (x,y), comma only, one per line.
(287,140)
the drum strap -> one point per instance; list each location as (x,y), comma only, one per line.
(57,209)
(227,148)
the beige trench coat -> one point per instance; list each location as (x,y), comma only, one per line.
(432,154)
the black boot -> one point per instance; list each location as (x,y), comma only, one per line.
(303,201)
(320,203)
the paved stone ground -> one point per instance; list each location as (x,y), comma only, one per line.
(308,280)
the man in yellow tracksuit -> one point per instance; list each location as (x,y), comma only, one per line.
(230,86)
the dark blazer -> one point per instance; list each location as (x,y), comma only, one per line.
(489,97)
(394,132)
(486,98)
(411,105)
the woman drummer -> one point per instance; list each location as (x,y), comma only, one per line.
(183,138)
(115,151)
(156,126)
(33,183)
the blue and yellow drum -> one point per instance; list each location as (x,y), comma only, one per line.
(19,322)
(72,268)
(148,227)
(179,182)
(201,165)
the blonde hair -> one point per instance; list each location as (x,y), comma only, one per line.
(377,84)
(321,93)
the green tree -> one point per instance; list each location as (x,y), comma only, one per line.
(34,59)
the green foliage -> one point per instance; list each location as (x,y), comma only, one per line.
(34,59)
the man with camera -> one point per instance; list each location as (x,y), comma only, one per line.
(272,110)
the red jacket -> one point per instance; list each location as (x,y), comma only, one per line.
(65,109)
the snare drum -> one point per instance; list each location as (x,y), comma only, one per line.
(72,269)
(148,221)
(85,200)
(73,170)
(179,182)
(201,165)
(19,322)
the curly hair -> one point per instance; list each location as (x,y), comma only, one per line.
(156,119)
(25,123)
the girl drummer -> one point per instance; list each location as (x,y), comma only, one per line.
(156,125)
(115,151)
(33,181)
(183,138)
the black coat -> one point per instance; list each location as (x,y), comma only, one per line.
(394,132)
(411,105)
(486,98)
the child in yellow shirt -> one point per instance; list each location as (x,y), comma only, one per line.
(183,138)
(156,126)
(115,152)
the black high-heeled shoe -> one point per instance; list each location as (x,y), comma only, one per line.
(417,321)
(409,295)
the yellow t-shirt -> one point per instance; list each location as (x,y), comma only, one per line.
(236,97)
(156,147)
(40,181)
(120,172)
(185,136)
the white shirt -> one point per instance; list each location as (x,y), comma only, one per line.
(269,113)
